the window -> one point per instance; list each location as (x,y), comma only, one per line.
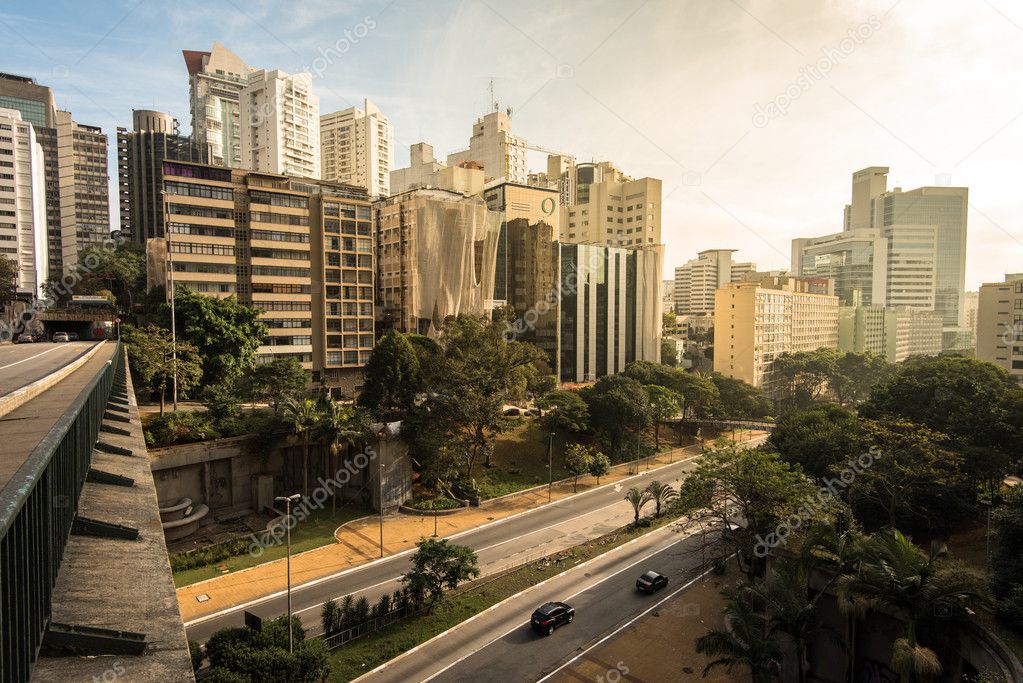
(282,305)
(203,230)
(278,236)
(204,249)
(277,218)
(277,271)
(203,191)
(275,199)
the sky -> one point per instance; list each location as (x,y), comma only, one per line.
(754,113)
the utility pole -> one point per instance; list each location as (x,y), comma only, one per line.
(288,500)
(380,475)
(550,466)
(170,287)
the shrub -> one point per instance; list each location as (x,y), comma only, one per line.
(209,555)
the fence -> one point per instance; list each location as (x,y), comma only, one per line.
(339,638)
(38,505)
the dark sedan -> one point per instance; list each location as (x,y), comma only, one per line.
(550,616)
(651,582)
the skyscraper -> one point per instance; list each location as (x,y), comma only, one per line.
(280,124)
(140,156)
(84,193)
(23,237)
(214,80)
(857,260)
(357,147)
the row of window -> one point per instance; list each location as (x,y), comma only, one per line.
(278,236)
(203,249)
(200,211)
(277,218)
(203,191)
(203,230)
(268,288)
(280,271)
(282,305)
(274,199)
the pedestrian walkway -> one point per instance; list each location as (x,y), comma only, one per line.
(359,540)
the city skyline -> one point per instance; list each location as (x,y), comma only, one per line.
(731,163)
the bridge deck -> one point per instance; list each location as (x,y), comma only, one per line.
(22,429)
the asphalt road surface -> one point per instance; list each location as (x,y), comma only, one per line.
(500,645)
(22,364)
(513,540)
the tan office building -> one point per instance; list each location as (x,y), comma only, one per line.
(84,193)
(356,148)
(754,324)
(300,251)
(894,333)
(1000,324)
(425,171)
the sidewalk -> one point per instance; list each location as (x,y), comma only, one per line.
(359,541)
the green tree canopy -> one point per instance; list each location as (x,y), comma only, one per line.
(565,410)
(578,459)
(8,279)
(226,333)
(438,565)
(736,399)
(274,382)
(1007,558)
(121,271)
(246,655)
(818,438)
(619,410)
(151,359)
(393,377)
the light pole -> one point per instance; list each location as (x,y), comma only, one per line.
(380,473)
(288,500)
(988,503)
(550,466)
(170,283)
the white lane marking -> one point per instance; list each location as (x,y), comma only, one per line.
(663,530)
(23,360)
(409,551)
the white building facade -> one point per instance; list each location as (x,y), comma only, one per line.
(357,148)
(23,238)
(280,122)
(215,80)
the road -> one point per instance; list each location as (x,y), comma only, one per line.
(499,645)
(22,364)
(505,543)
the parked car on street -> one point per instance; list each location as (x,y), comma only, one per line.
(60,337)
(550,616)
(72,336)
(651,582)
(25,338)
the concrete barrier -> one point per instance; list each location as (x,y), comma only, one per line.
(20,397)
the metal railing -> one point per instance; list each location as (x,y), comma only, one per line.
(37,508)
(371,625)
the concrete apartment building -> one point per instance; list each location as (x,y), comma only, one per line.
(1000,324)
(610,309)
(280,124)
(285,245)
(894,333)
(357,148)
(697,280)
(436,257)
(527,262)
(215,79)
(754,324)
(609,207)
(154,138)
(23,237)
(84,194)
(425,171)
(493,146)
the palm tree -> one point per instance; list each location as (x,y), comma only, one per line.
(345,425)
(303,417)
(638,499)
(746,642)
(790,608)
(917,585)
(662,494)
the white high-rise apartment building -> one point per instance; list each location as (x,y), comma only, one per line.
(280,121)
(23,238)
(215,79)
(698,279)
(356,147)
(493,146)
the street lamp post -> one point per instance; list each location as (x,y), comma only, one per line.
(288,500)
(550,466)
(170,287)
(988,503)
(380,471)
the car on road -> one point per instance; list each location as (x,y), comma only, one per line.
(25,338)
(550,616)
(651,582)
(60,337)
(72,336)
(512,412)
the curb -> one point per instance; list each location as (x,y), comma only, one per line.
(20,397)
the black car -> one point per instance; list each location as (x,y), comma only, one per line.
(651,581)
(548,617)
(72,336)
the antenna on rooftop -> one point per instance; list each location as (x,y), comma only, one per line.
(493,100)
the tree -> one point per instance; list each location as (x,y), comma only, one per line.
(669,352)
(393,377)
(619,411)
(344,425)
(436,565)
(303,417)
(274,382)
(661,494)
(566,411)
(746,643)
(972,402)
(226,333)
(817,438)
(244,654)
(855,375)
(8,280)
(664,405)
(921,587)
(1006,559)
(912,481)
(121,272)
(152,364)
(803,376)
(757,486)
(578,459)
(736,399)
(600,466)
(638,499)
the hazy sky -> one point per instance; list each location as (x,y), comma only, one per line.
(753,112)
